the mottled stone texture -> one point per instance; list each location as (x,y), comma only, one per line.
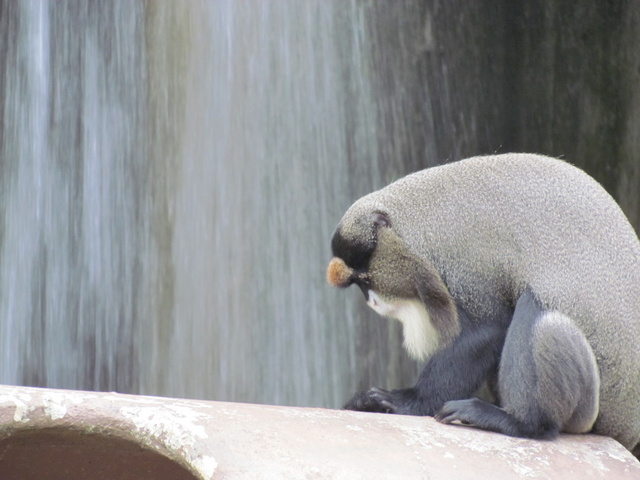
(573,88)
(557,78)
(88,435)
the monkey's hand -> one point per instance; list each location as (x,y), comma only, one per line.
(375,400)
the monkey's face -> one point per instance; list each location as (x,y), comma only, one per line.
(395,282)
(353,245)
(368,253)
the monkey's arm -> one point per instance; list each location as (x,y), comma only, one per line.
(455,372)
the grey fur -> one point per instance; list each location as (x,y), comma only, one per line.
(546,356)
(419,280)
(512,228)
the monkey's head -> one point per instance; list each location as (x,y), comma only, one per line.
(368,252)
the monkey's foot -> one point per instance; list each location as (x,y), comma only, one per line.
(487,416)
(466,411)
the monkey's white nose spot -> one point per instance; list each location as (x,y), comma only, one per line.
(373,298)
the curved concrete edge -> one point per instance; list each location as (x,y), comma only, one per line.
(230,440)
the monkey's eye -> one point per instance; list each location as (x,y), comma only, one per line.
(380,220)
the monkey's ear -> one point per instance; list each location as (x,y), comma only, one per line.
(438,301)
(380,219)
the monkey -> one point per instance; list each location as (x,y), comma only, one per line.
(517,271)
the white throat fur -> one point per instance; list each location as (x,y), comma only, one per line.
(421,338)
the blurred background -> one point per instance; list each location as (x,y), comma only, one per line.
(171,172)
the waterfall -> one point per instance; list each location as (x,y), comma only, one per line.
(172,172)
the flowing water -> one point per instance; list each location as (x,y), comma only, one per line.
(172,172)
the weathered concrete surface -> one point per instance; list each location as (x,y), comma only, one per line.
(70,434)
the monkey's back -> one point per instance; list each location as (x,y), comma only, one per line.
(496,225)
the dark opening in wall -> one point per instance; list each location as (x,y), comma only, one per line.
(65,454)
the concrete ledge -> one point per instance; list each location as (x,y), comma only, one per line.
(69,434)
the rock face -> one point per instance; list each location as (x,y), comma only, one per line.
(72,434)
